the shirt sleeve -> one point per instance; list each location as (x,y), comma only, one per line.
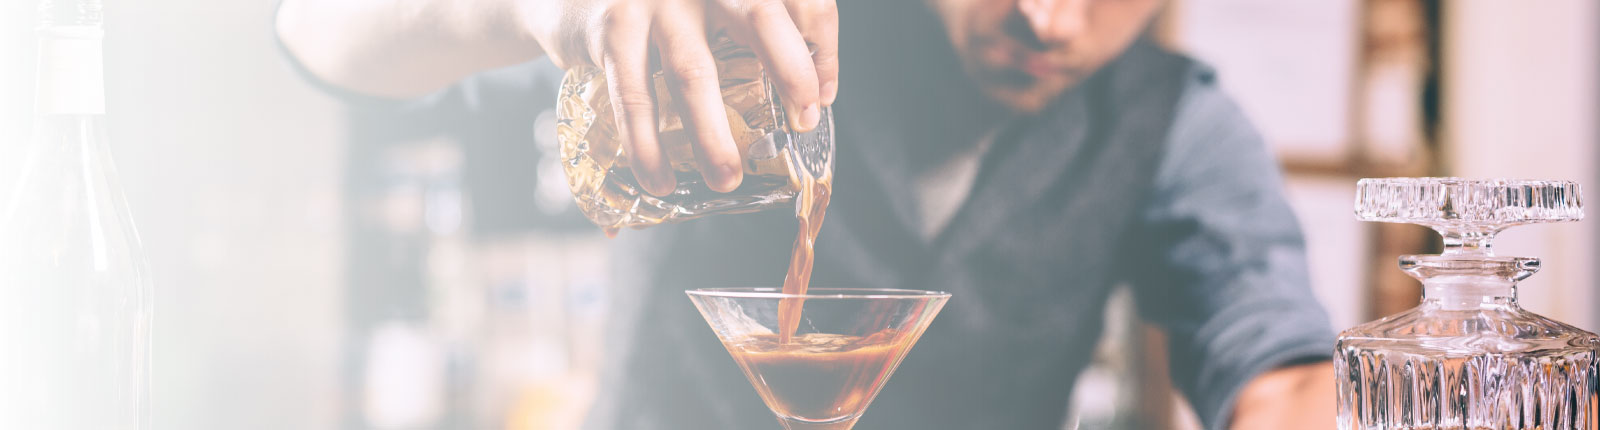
(522,86)
(1219,261)
(501,120)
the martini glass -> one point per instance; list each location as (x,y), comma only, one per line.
(847,344)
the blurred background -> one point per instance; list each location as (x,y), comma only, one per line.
(315,274)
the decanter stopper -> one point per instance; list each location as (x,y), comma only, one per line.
(1467,212)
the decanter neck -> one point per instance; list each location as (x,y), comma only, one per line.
(1468,293)
(1461,281)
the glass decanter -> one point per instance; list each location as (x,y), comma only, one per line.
(780,164)
(1467,357)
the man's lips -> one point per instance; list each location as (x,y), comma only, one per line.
(1040,66)
(1037,64)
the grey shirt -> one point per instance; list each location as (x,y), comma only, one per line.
(1145,174)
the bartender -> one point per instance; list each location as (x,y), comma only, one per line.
(1026,156)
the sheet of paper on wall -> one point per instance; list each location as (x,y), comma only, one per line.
(1288,64)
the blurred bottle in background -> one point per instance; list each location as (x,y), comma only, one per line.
(76,298)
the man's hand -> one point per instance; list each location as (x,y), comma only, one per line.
(628,38)
(1297,397)
(403,49)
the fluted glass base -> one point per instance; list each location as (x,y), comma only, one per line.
(1468,369)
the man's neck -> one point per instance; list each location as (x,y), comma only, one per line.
(914,82)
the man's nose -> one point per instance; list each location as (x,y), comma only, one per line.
(1056,21)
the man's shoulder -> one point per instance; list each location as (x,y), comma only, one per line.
(1145,68)
(1151,74)
(1169,105)
(1208,131)
(1144,94)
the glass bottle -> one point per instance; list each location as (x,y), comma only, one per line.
(1467,357)
(75,293)
(777,163)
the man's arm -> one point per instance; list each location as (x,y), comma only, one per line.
(404,49)
(1223,270)
(1291,397)
(408,48)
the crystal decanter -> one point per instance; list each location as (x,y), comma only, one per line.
(780,164)
(1467,357)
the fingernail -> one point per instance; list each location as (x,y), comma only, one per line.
(830,92)
(809,118)
(729,176)
(658,185)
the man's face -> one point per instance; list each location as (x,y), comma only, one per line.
(1024,53)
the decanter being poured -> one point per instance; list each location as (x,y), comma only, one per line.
(1467,357)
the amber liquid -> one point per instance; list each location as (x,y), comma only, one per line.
(690,192)
(819,377)
(599,171)
(810,206)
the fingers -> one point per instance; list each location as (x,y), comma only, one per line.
(804,74)
(788,61)
(826,60)
(624,56)
(692,76)
(818,20)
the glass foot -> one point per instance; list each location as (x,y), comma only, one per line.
(793,424)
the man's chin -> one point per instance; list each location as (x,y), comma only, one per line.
(1019,91)
(1026,101)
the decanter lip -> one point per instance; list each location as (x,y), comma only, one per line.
(1474,259)
(1426,267)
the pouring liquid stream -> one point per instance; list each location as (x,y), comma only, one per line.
(810,206)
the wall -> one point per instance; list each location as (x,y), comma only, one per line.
(1520,86)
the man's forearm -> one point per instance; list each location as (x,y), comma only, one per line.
(1298,397)
(404,48)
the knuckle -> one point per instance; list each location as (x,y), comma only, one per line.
(694,74)
(622,16)
(632,101)
(802,95)
(826,64)
(764,10)
(813,8)
(798,78)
